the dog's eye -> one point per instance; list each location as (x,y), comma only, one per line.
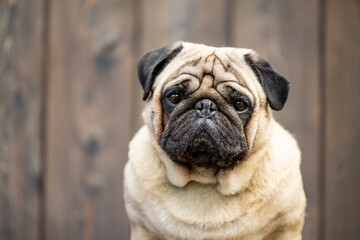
(174,98)
(240,105)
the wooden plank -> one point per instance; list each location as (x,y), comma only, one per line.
(20,106)
(342,74)
(156,24)
(198,21)
(208,24)
(89,118)
(279,31)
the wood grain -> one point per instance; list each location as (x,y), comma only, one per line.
(89,118)
(280,32)
(20,104)
(342,151)
(196,21)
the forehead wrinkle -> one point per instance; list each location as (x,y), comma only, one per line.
(197,71)
(233,66)
(209,56)
(179,71)
(222,75)
(210,61)
(228,82)
(191,70)
(191,57)
(182,77)
(202,69)
(167,74)
(225,69)
(221,62)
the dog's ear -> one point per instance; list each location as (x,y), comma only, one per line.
(153,62)
(276,87)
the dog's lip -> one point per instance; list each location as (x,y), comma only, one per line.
(205,122)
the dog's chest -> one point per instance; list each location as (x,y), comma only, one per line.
(201,213)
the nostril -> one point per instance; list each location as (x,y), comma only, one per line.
(199,105)
(213,106)
(209,104)
(205,108)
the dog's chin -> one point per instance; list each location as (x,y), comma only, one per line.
(204,143)
(202,151)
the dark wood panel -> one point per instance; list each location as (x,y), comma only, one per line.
(157,24)
(280,32)
(20,104)
(89,118)
(198,21)
(342,213)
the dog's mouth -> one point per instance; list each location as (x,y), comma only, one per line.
(206,143)
(201,151)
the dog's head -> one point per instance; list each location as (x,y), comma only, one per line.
(205,105)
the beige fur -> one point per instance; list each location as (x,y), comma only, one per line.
(261,198)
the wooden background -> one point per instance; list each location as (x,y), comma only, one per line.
(70,102)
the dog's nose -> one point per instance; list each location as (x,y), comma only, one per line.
(205,108)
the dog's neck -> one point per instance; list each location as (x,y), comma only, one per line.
(179,175)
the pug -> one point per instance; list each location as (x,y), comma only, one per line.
(211,162)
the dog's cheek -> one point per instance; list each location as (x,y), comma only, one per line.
(165,119)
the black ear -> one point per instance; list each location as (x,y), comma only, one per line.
(276,87)
(153,62)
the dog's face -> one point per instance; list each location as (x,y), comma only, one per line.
(205,105)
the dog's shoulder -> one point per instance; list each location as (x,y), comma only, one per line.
(284,145)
